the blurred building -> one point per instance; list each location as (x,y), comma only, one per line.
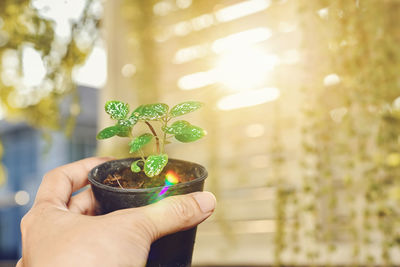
(27,157)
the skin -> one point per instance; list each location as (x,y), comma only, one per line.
(61,230)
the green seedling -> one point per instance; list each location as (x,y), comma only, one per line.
(152,114)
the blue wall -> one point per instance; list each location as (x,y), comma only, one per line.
(26,162)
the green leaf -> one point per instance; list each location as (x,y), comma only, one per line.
(151,111)
(185,107)
(155,164)
(185,132)
(111,131)
(117,109)
(133,119)
(139,142)
(176,128)
(124,131)
(128,122)
(135,167)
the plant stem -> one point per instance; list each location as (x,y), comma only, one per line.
(164,136)
(142,155)
(155,135)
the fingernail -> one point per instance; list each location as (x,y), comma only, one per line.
(206,201)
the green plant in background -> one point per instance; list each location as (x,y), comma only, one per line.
(150,114)
(352,130)
(22,27)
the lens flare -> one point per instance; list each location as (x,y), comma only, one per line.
(171,178)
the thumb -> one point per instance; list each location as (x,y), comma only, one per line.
(178,213)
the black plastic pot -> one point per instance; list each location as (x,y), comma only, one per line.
(172,250)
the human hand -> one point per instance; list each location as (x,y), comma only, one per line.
(60,230)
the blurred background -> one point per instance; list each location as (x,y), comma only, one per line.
(302,113)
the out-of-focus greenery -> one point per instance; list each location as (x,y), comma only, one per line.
(347,207)
(351,134)
(22,26)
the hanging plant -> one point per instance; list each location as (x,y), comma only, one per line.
(355,87)
(26,32)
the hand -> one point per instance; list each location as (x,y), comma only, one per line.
(60,231)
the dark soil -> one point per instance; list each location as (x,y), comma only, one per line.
(127,179)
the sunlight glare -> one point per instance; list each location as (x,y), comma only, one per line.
(32,67)
(196,80)
(239,70)
(291,57)
(94,72)
(245,69)
(242,9)
(248,98)
(182,4)
(241,39)
(190,53)
(62,12)
(163,8)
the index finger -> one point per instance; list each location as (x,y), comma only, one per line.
(58,185)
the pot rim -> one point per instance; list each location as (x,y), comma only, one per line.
(96,183)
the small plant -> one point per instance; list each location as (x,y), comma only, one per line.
(150,114)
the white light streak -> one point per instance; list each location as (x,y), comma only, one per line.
(241,39)
(245,69)
(242,9)
(190,53)
(202,22)
(196,80)
(182,4)
(163,8)
(240,70)
(248,98)
(182,28)
(185,27)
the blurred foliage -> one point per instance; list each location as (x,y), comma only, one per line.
(350,160)
(22,26)
(351,133)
